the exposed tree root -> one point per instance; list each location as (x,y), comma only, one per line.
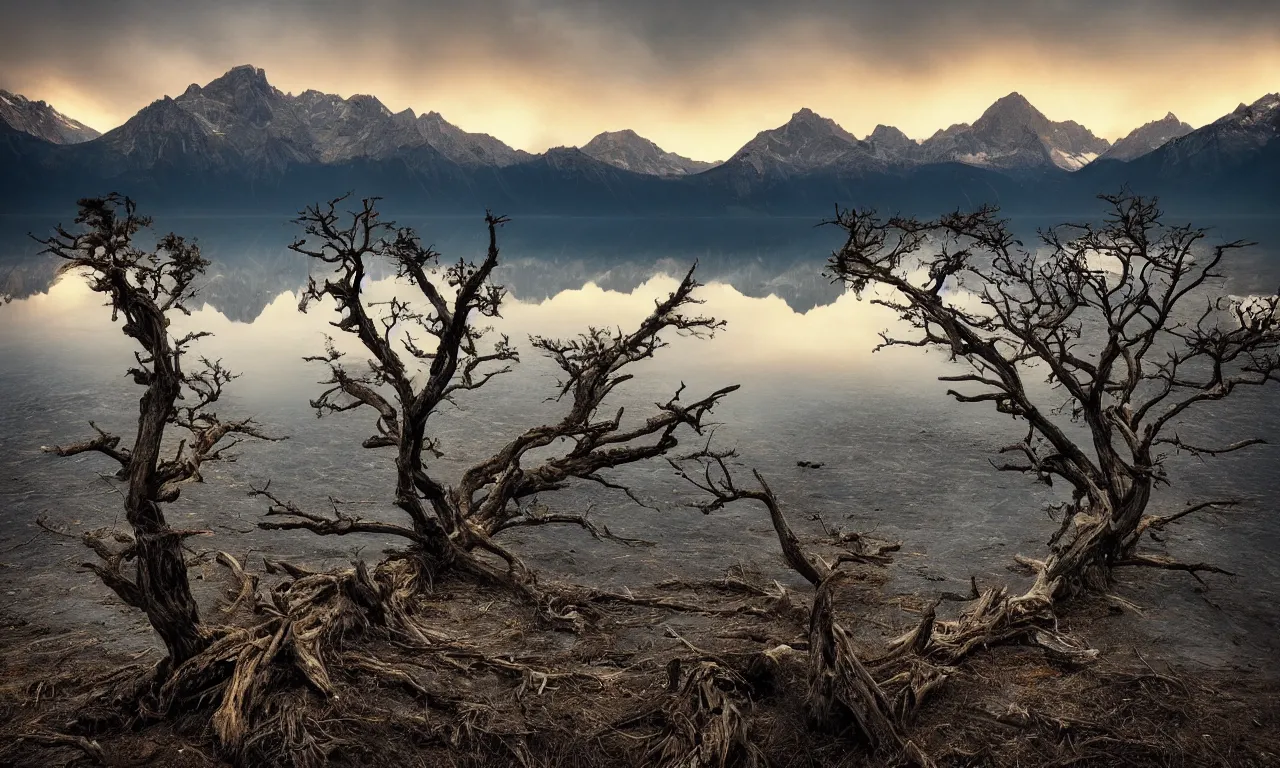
(701,723)
(283,667)
(842,693)
(485,691)
(90,748)
(283,645)
(994,618)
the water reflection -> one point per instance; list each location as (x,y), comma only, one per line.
(901,459)
(251,264)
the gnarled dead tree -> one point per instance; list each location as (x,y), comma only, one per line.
(429,349)
(843,695)
(1127,323)
(146,288)
(1126,319)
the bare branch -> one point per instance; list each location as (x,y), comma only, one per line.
(105,443)
(145,287)
(336,525)
(440,332)
(715,479)
(541,515)
(1195,450)
(1151,561)
(1108,312)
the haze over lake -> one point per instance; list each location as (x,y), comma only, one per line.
(901,460)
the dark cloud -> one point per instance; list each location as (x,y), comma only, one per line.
(679,27)
(676,32)
(116,56)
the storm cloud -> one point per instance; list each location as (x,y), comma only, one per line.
(699,78)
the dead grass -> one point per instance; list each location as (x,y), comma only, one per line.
(640,683)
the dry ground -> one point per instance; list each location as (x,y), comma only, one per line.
(498,687)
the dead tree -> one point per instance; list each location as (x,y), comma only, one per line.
(843,694)
(429,349)
(301,631)
(708,470)
(146,288)
(1125,319)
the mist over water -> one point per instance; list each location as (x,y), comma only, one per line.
(901,460)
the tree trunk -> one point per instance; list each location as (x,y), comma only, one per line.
(161,568)
(1086,561)
(162,580)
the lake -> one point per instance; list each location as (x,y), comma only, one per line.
(900,459)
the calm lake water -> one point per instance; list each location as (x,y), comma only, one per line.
(901,460)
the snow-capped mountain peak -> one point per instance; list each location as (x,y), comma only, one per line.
(1231,144)
(806,142)
(245,116)
(1013,134)
(39,119)
(1263,111)
(628,150)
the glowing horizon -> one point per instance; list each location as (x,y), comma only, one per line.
(700,82)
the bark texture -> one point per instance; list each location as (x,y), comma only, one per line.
(145,288)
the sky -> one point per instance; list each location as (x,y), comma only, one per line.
(698,77)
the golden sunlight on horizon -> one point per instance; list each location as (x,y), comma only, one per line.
(714,108)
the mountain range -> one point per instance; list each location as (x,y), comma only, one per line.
(239,143)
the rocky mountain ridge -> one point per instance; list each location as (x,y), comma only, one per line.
(628,150)
(238,139)
(1012,133)
(1148,138)
(241,119)
(241,114)
(39,119)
